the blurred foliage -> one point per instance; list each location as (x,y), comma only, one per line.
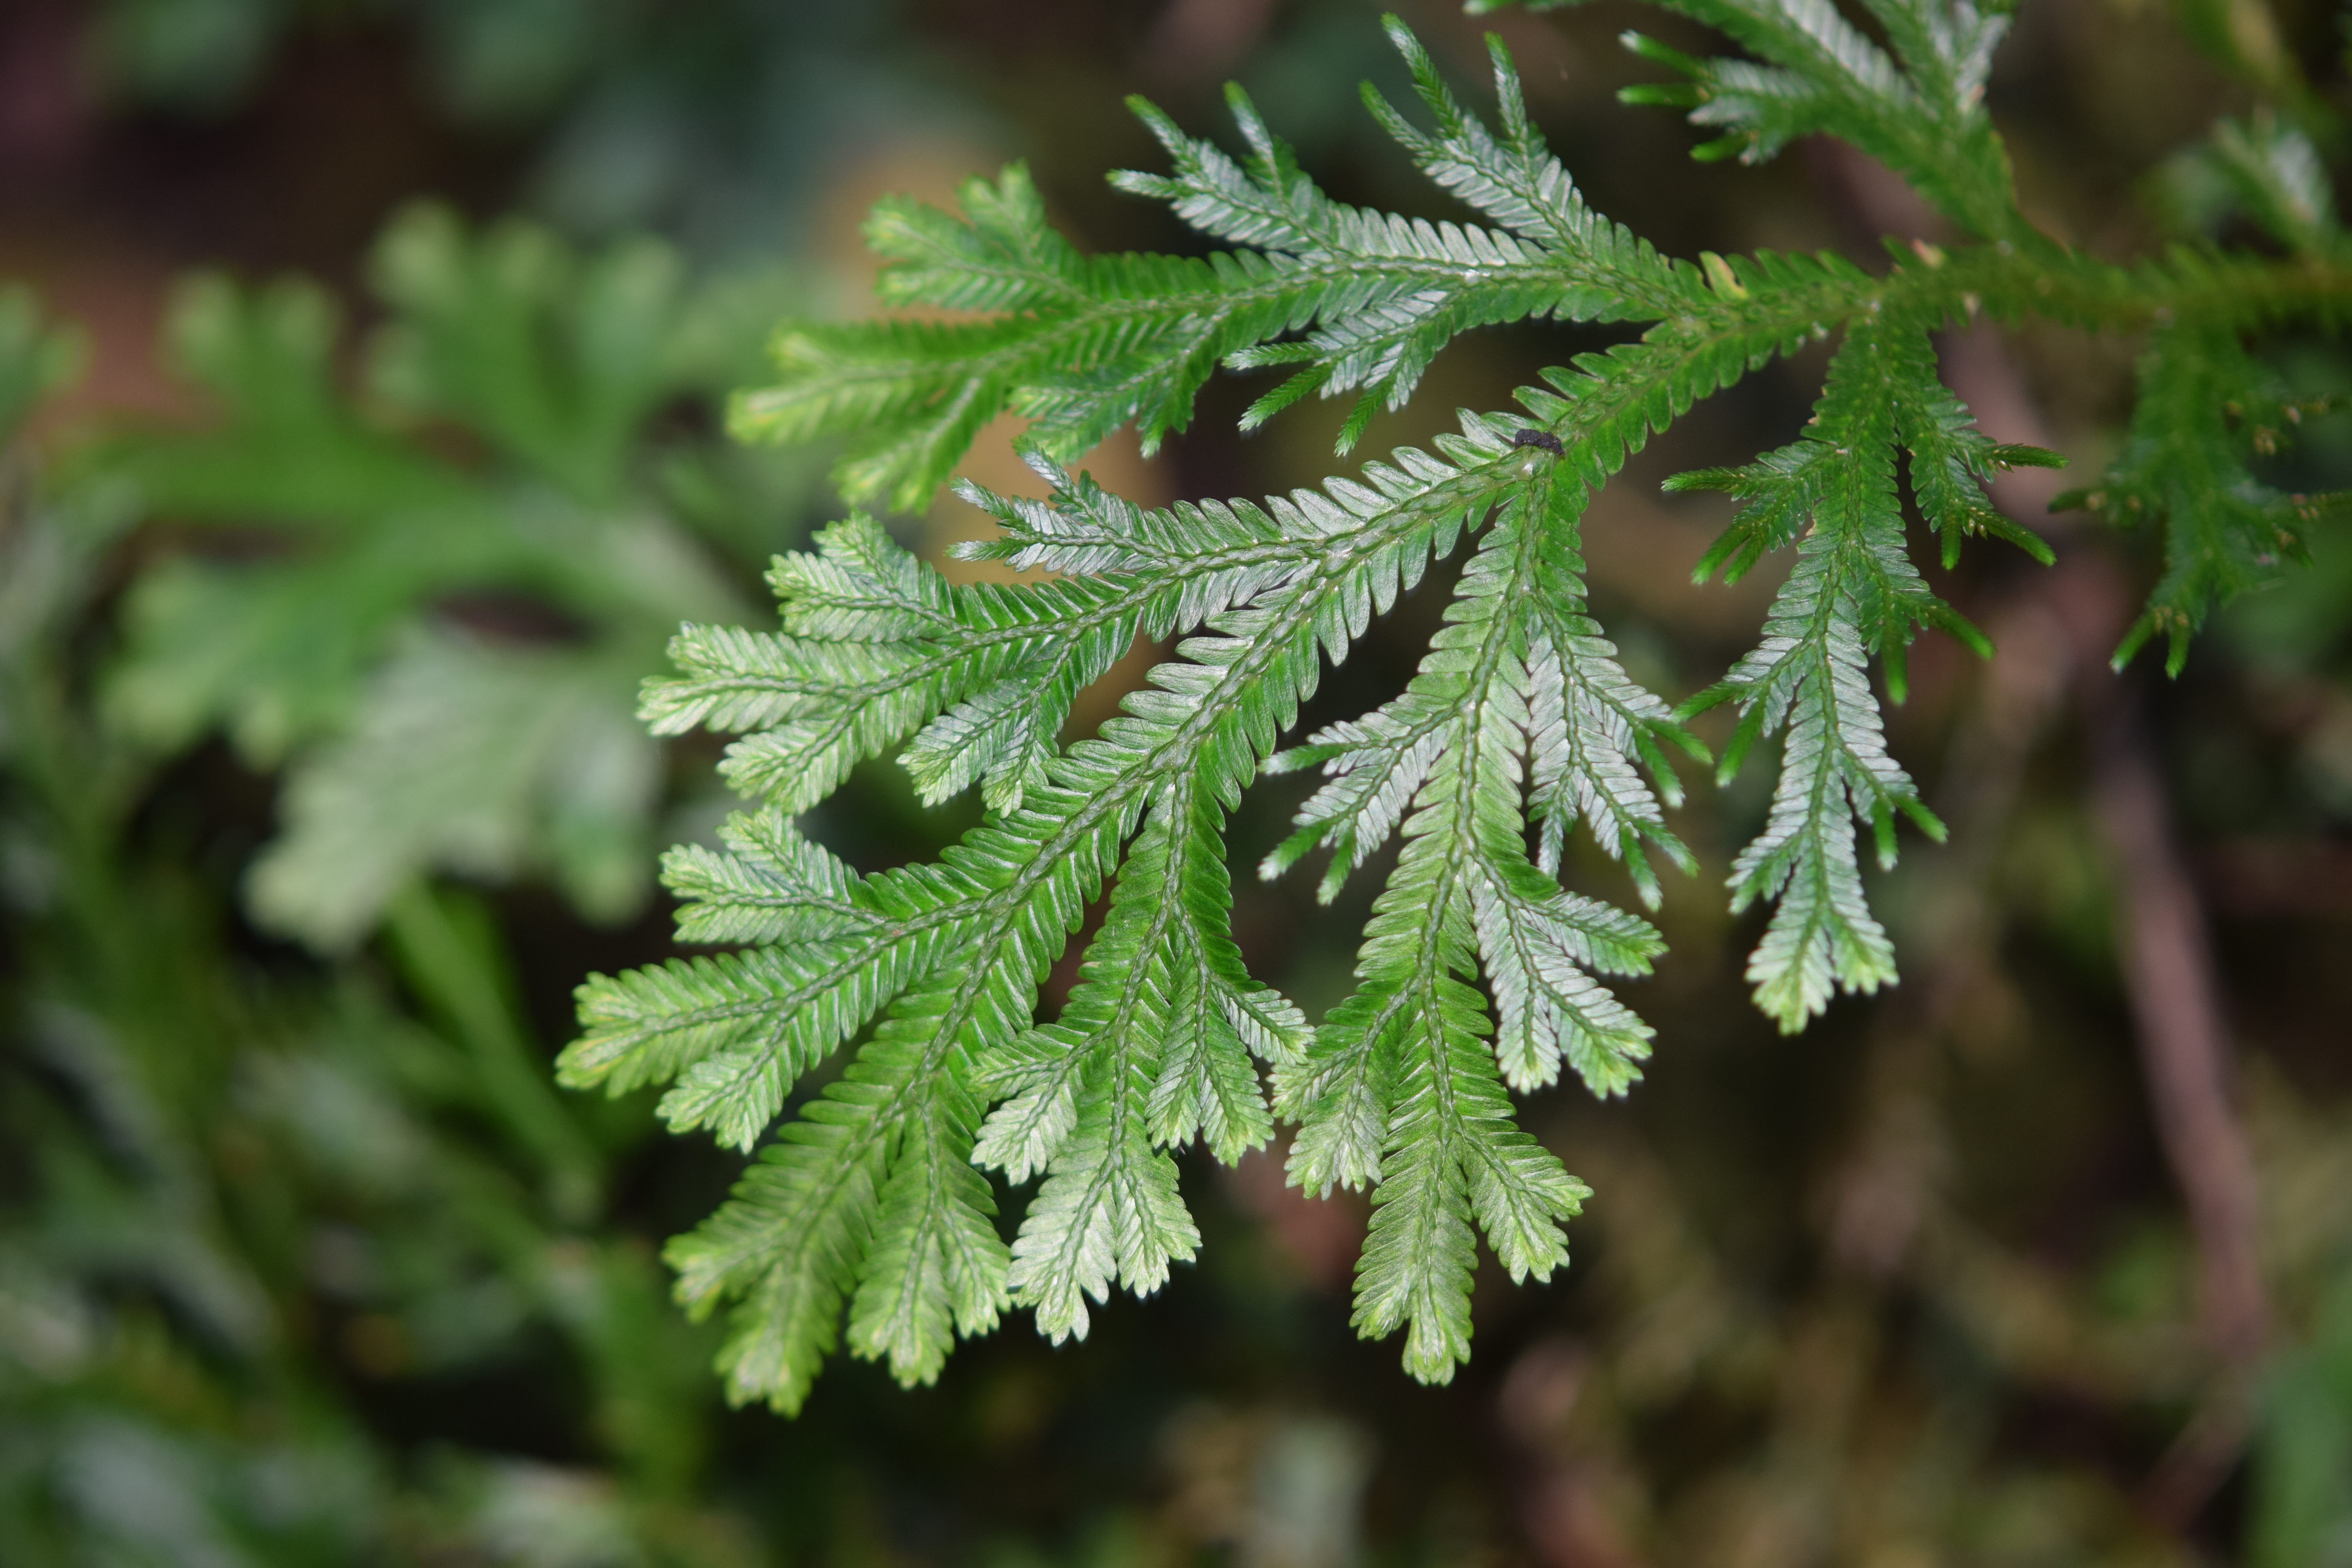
(442,647)
(707,118)
(302,1259)
(231,1176)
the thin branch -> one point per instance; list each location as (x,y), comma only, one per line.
(2184,1043)
(2169,972)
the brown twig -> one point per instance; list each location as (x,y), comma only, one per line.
(2165,952)
(2175,995)
(2080,608)
(2167,960)
(2184,1042)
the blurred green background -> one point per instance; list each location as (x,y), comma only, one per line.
(360,364)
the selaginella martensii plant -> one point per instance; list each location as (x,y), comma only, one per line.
(1519,725)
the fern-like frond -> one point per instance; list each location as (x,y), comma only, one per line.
(424,726)
(1854,594)
(1083,344)
(1401,1087)
(2269,171)
(554,357)
(875,648)
(1513,178)
(37,357)
(1478,973)
(1146,1052)
(1920,112)
(489,762)
(2206,409)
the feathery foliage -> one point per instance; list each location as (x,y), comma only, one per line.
(1479,975)
(442,650)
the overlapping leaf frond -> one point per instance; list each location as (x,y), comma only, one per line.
(1083,344)
(2206,409)
(870,1196)
(1853,595)
(1920,110)
(1479,975)
(441,653)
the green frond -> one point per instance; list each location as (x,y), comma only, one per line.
(1419,1248)
(1380,762)
(2206,409)
(1083,344)
(1479,974)
(759,1244)
(737,1030)
(1108,1209)
(853,1194)
(1951,462)
(1154,1047)
(36,357)
(1920,112)
(1588,724)
(878,647)
(2269,171)
(767,885)
(1854,593)
(1513,179)
(1811,676)
(413,744)
(1001,256)
(485,760)
(1540,947)
(1449,1151)
(1399,1086)
(1217,553)
(555,358)
(1224,1020)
